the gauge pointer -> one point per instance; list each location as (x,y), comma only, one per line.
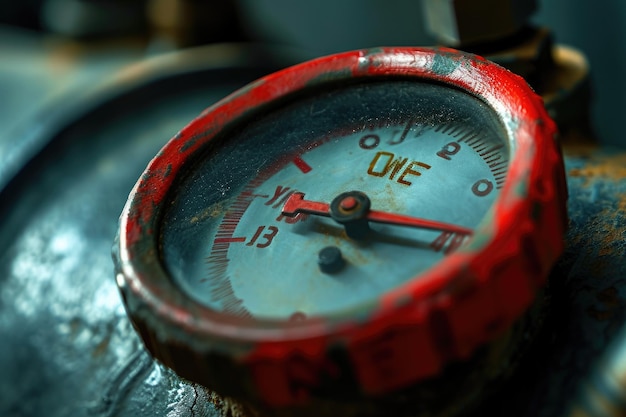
(352,209)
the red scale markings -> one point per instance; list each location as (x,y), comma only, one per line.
(301,164)
(218,279)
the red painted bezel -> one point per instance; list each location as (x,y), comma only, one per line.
(461,303)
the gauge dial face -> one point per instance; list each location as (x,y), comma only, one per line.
(420,150)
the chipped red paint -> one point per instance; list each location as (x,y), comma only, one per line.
(414,330)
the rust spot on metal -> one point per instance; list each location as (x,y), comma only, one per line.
(621,203)
(229,407)
(607,247)
(612,167)
(609,230)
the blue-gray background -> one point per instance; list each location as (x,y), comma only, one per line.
(598,28)
(65,346)
(32,67)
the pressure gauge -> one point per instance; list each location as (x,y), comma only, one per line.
(344,228)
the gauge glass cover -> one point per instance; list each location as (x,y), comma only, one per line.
(416,148)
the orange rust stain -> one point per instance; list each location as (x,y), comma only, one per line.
(612,167)
(621,203)
(608,226)
(610,230)
(228,406)
(607,230)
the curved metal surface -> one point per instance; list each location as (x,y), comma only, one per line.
(67,347)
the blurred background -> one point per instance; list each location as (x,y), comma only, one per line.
(101,85)
(51,47)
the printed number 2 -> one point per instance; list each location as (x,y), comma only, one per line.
(273,230)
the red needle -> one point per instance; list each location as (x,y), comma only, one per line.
(297,204)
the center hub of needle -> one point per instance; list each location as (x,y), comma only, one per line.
(348,204)
(351,209)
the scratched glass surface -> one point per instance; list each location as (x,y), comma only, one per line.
(416,149)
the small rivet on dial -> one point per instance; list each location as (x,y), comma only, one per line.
(349,203)
(330,260)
